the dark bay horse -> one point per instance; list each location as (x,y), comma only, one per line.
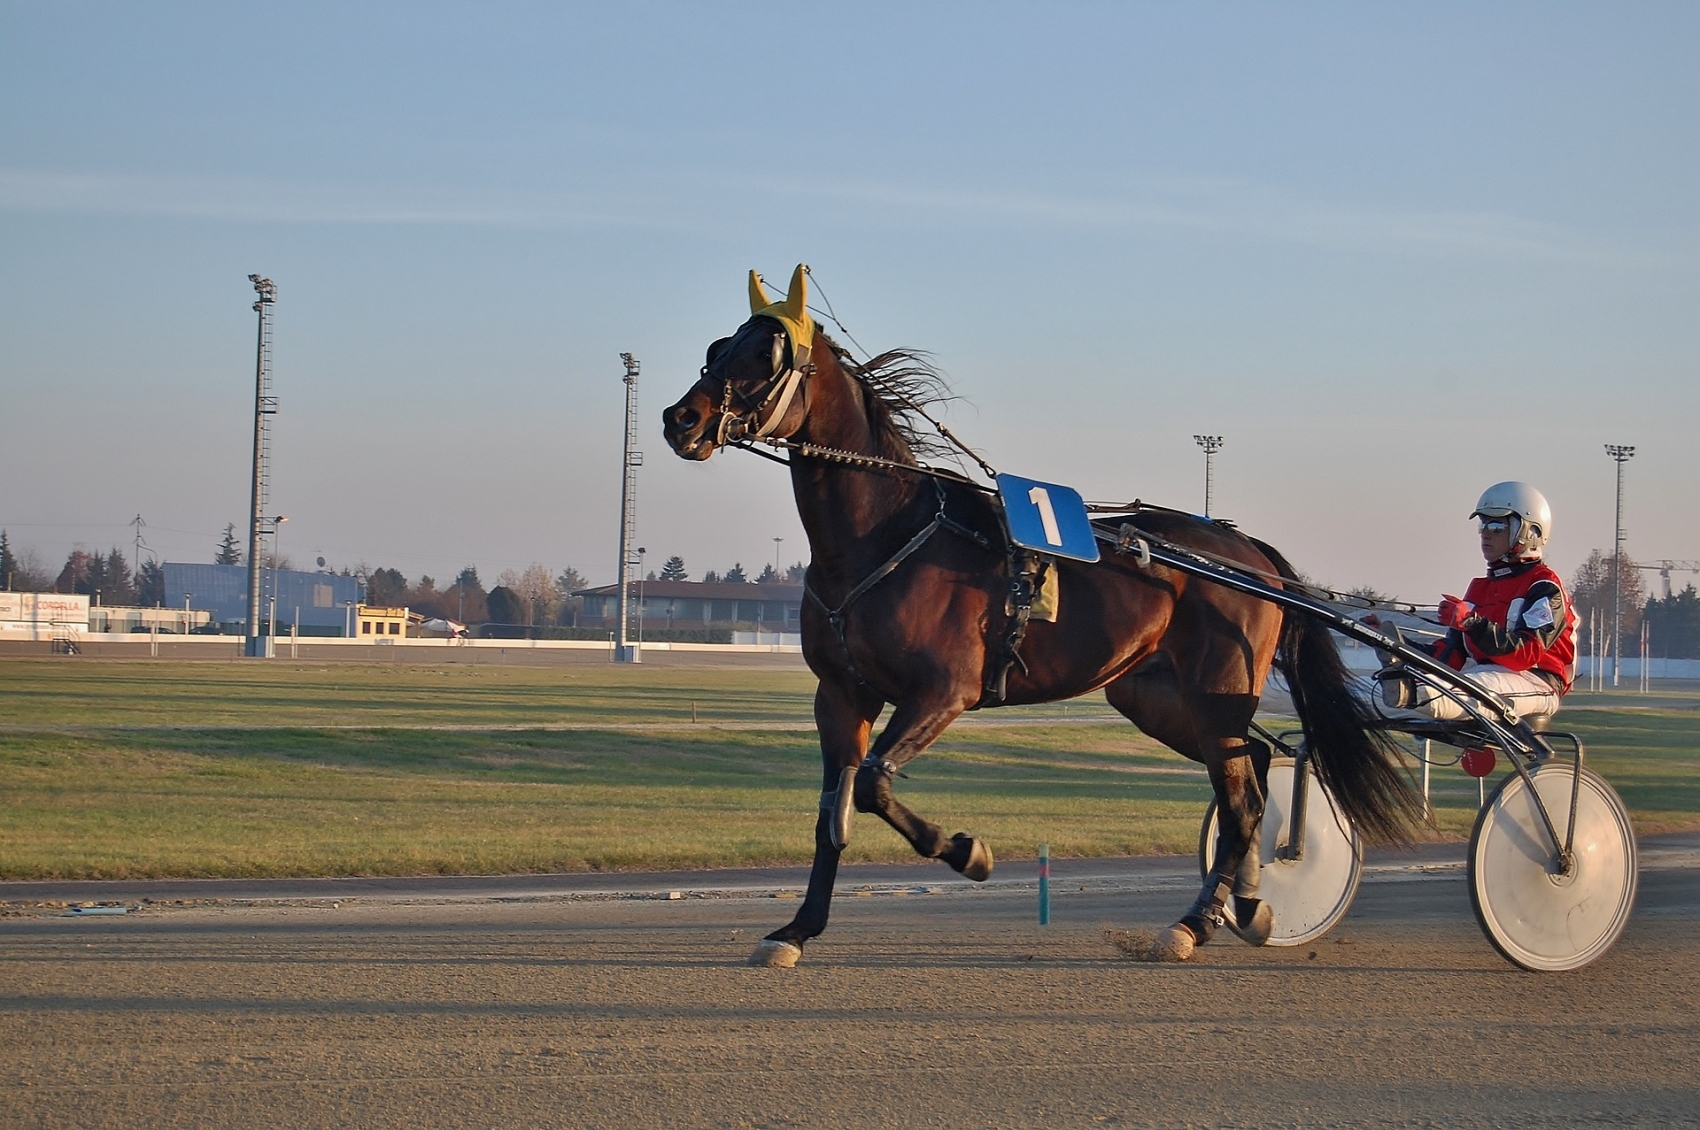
(908,603)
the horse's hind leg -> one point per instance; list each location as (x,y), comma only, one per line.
(1212,729)
(844,717)
(913,727)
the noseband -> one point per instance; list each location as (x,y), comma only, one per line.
(772,399)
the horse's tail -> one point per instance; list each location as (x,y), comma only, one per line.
(1358,761)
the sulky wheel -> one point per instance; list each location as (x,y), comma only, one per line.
(1310,894)
(1537,916)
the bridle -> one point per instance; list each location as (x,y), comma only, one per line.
(772,399)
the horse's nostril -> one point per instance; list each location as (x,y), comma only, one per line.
(685,417)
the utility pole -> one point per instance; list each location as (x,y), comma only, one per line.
(625,651)
(1211,445)
(141,542)
(265,404)
(1622,455)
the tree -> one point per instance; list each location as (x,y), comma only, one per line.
(1673,625)
(150,585)
(507,606)
(423,598)
(8,563)
(769,576)
(29,574)
(1591,590)
(103,577)
(466,600)
(118,587)
(735,575)
(74,577)
(536,588)
(711,578)
(674,570)
(385,588)
(796,573)
(229,549)
(569,582)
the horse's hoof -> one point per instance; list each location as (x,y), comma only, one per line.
(772,954)
(969,857)
(1254,928)
(980,863)
(1173,944)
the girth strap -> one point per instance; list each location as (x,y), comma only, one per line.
(1026,571)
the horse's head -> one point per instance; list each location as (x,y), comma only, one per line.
(751,382)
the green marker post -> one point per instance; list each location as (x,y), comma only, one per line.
(1044,884)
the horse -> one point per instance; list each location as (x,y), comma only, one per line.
(913,599)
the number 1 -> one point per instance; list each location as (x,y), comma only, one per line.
(1041,498)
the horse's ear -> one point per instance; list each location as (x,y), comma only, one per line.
(714,350)
(797,298)
(759,300)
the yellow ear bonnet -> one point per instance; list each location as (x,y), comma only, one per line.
(759,300)
(792,313)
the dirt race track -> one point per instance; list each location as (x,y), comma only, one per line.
(600,1001)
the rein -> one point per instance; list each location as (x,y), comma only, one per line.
(1131,539)
(852,459)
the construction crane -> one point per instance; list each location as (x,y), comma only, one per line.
(1666,567)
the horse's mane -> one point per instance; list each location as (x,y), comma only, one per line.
(897,385)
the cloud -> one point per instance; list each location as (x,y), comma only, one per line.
(253,200)
(1244,210)
(708,202)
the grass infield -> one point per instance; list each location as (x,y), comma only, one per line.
(129,769)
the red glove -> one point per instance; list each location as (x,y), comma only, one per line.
(1454,610)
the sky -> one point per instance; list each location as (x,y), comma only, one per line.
(1390,253)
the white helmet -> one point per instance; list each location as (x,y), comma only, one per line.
(1525,504)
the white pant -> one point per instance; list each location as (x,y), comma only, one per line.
(1530,695)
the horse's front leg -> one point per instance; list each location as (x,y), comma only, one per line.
(845,717)
(913,727)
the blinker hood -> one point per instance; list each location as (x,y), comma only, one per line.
(792,313)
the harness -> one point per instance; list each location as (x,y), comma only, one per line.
(747,418)
(941,521)
(779,391)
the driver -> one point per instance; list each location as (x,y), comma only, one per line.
(1512,631)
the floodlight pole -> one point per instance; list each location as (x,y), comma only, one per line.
(625,650)
(265,404)
(1622,455)
(1211,445)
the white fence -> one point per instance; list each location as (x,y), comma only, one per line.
(283,644)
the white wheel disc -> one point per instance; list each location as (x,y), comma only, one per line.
(1308,895)
(1539,919)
